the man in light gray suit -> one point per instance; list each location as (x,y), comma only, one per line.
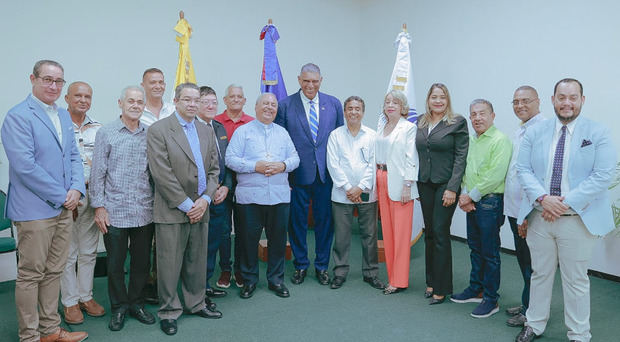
(565,166)
(184,164)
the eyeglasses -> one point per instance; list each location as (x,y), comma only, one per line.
(208,102)
(47,81)
(522,101)
(187,100)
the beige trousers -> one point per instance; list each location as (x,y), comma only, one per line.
(43,247)
(566,242)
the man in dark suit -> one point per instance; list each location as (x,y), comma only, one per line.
(309,117)
(46,182)
(183,161)
(219,213)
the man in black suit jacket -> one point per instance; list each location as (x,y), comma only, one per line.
(220,212)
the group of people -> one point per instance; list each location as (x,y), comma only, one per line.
(165,182)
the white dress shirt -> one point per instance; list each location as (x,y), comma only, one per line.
(148,118)
(306,102)
(513,193)
(351,162)
(557,132)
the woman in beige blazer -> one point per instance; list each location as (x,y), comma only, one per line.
(397,172)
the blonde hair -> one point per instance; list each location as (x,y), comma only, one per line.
(399,96)
(449,115)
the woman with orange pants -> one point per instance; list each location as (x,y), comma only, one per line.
(397,173)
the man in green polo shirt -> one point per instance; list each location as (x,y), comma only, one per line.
(482,198)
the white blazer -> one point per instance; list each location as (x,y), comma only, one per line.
(402,159)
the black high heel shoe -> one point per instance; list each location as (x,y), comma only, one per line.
(434,300)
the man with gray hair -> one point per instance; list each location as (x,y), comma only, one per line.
(232,118)
(262,154)
(482,198)
(310,116)
(122,195)
(183,161)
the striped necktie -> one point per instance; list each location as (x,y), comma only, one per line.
(314,121)
(558,160)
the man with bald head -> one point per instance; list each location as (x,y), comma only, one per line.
(525,105)
(262,154)
(76,288)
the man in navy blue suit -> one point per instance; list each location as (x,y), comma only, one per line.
(309,117)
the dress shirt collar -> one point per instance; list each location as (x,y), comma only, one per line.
(184,123)
(305,100)
(359,133)
(570,127)
(87,121)
(488,133)
(120,125)
(44,105)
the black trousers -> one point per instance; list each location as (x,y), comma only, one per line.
(437,220)
(116,243)
(274,219)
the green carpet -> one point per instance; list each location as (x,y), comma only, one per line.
(355,312)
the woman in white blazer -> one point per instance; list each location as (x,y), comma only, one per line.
(397,173)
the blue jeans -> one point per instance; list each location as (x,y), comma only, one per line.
(483,226)
(525,262)
(219,236)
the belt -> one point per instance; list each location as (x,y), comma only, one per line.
(575,214)
(382,167)
(491,195)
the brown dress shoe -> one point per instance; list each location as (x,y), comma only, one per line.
(64,336)
(92,308)
(73,315)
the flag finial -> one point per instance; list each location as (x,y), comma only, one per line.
(404,27)
(270,21)
(181,15)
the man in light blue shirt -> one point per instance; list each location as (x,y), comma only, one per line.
(262,153)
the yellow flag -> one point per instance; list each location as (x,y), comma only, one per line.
(185,68)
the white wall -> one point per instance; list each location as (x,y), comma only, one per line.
(478,48)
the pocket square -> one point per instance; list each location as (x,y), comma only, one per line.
(585,143)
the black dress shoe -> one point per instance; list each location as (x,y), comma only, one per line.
(117,321)
(322,277)
(141,315)
(526,335)
(337,282)
(206,313)
(428,294)
(375,282)
(298,277)
(150,294)
(247,291)
(435,301)
(168,326)
(212,306)
(280,290)
(215,293)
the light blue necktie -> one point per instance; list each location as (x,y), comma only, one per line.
(194,144)
(314,121)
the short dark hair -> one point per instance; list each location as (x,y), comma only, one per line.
(180,87)
(37,66)
(354,98)
(206,90)
(565,80)
(151,70)
(481,101)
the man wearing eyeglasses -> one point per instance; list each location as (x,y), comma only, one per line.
(184,165)
(525,105)
(46,182)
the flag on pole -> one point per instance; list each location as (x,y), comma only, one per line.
(402,75)
(271,76)
(185,68)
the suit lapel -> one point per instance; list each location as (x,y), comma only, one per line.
(202,132)
(440,127)
(178,135)
(300,112)
(42,115)
(323,118)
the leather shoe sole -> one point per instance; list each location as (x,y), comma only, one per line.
(168,326)
(298,277)
(247,291)
(206,313)
(280,290)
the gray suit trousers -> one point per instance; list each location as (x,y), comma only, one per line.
(343,220)
(181,254)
